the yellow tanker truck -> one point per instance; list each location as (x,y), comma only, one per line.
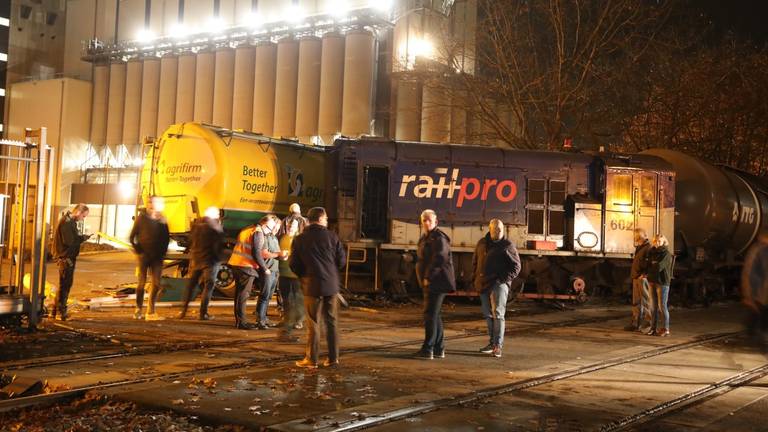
(194,166)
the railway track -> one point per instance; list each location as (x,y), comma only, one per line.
(275,360)
(418,409)
(192,346)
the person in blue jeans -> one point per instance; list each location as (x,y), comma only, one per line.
(496,263)
(434,269)
(265,240)
(659,277)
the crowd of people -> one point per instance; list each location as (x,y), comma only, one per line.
(302,258)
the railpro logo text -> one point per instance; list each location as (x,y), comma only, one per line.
(445,186)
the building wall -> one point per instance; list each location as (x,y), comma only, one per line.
(63,106)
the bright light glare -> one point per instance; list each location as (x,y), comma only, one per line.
(178,31)
(338,8)
(294,13)
(422,48)
(215,25)
(382,5)
(253,20)
(125,188)
(145,35)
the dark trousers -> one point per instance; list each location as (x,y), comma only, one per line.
(66,277)
(293,303)
(206,277)
(267,285)
(156,270)
(322,310)
(243,285)
(433,322)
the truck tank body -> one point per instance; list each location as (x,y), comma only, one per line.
(718,209)
(246,175)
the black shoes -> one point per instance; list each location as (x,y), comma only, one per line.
(440,353)
(488,349)
(245,326)
(424,355)
(206,317)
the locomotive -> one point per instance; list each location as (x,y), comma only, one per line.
(571,214)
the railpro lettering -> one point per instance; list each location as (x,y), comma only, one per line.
(469,188)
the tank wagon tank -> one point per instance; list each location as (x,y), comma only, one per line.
(720,212)
(194,166)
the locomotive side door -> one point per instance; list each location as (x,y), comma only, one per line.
(646,208)
(620,201)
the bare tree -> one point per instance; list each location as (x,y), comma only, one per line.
(546,69)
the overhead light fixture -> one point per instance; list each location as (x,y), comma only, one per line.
(145,35)
(338,8)
(294,13)
(215,25)
(178,31)
(381,5)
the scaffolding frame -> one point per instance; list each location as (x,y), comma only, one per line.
(32,157)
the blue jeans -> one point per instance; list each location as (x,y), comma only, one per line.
(267,286)
(433,323)
(660,294)
(494,306)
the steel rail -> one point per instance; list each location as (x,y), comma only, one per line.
(486,393)
(42,399)
(683,401)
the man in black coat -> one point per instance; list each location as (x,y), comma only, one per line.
(207,245)
(149,238)
(496,263)
(642,302)
(434,269)
(316,256)
(66,248)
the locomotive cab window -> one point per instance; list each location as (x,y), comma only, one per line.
(648,190)
(545,207)
(556,226)
(620,192)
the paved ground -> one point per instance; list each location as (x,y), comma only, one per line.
(597,375)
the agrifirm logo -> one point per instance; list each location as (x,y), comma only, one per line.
(443,185)
(182,168)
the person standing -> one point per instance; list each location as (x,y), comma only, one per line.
(659,278)
(66,247)
(641,292)
(149,238)
(496,263)
(246,262)
(266,242)
(207,245)
(290,287)
(294,214)
(316,257)
(434,270)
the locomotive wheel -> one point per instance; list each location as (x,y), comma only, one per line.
(582,297)
(225,281)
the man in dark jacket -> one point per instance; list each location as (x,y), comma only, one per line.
(641,292)
(316,256)
(496,263)
(207,245)
(66,248)
(149,238)
(434,270)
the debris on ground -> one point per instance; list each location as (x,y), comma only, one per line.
(94,412)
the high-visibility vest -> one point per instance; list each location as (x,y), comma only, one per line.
(242,254)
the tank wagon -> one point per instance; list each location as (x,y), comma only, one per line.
(571,214)
(720,211)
